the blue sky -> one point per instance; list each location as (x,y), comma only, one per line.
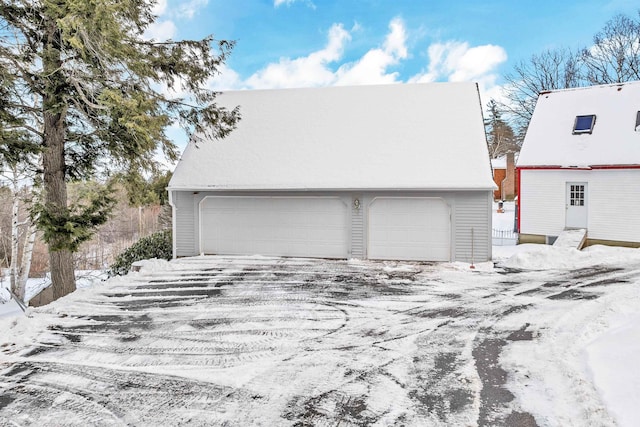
(301,43)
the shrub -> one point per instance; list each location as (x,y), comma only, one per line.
(157,245)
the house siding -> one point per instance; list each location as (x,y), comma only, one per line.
(184,223)
(612,202)
(542,200)
(469,209)
(357,228)
(614,205)
(472,218)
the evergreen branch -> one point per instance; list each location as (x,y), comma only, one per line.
(80,92)
(26,127)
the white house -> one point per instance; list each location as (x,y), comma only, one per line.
(580,166)
(378,172)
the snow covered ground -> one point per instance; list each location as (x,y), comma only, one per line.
(547,337)
(269,341)
(504,220)
(8,307)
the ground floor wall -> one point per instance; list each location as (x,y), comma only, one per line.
(612,203)
(468,232)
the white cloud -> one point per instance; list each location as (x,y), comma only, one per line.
(159,7)
(372,67)
(395,42)
(161,31)
(314,69)
(447,61)
(476,62)
(457,61)
(278,3)
(311,70)
(165,29)
(227,79)
(189,8)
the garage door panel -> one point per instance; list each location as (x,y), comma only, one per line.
(283,226)
(409,228)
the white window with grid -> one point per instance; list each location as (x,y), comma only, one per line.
(576,196)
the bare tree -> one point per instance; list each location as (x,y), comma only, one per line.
(614,57)
(615,54)
(552,69)
(23,229)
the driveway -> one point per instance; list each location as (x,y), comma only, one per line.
(270,341)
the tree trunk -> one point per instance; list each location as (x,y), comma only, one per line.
(13,268)
(53,160)
(25,264)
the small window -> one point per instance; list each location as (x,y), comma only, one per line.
(584,124)
(577,195)
(638,121)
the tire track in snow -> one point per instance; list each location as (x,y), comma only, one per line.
(101,396)
(352,343)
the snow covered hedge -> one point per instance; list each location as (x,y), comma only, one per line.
(157,245)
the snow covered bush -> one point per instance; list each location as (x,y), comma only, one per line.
(157,245)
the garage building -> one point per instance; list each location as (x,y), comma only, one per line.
(388,172)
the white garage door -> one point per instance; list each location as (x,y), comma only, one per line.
(281,226)
(411,228)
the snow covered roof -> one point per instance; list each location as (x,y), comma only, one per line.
(403,136)
(614,140)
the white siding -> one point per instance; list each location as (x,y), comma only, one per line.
(357,228)
(614,205)
(613,202)
(472,211)
(542,200)
(184,223)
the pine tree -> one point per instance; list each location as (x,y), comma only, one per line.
(500,136)
(80,87)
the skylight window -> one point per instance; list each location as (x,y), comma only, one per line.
(584,124)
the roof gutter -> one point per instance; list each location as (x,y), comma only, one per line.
(353,189)
(587,167)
